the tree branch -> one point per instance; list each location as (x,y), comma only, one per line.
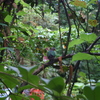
(50,63)
(91,46)
(64,57)
(60,26)
(69,23)
(95,54)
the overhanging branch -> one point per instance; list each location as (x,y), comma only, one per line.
(49,64)
(91,46)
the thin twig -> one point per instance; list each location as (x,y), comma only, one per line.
(91,46)
(69,24)
(59,26)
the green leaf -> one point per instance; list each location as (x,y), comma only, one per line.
(82,56)
(56,84)
(35,97)
(14,69)
(98,84)
(88,92)
(10,49)
(92,1)
(83,97)
(75,42)
(8,18)
(24,4)
(3,98)
(18,97)
(2,91)
(21,13)
(34,79)
(82,74)
(65,98)
(24,71)
(24,87)
(8,80)
(46,81)
(88,37)
(97,93)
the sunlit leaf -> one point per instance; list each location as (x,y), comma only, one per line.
(82,56)
(24,4)
(75,42)
(8,18)
(88,37)
(21,13)
(92,1)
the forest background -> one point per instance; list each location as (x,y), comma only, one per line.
(29,27)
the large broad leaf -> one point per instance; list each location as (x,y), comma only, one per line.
(34,97)
(88,92)
(75,42)
(15,69)
(9,80)
(56,84)
(92,92)
(18,97)
(97,93)
(24,87)
(46,81)
(83,97)
(88,37)
(8,18)
(25,72)
(3,98)
(82,56)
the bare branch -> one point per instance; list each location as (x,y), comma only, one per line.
(60,26)
(95,54)
(69,23)
(50,63)
(91,46)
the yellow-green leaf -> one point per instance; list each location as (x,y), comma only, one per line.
(79,3)
(8,18)
(93,23)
